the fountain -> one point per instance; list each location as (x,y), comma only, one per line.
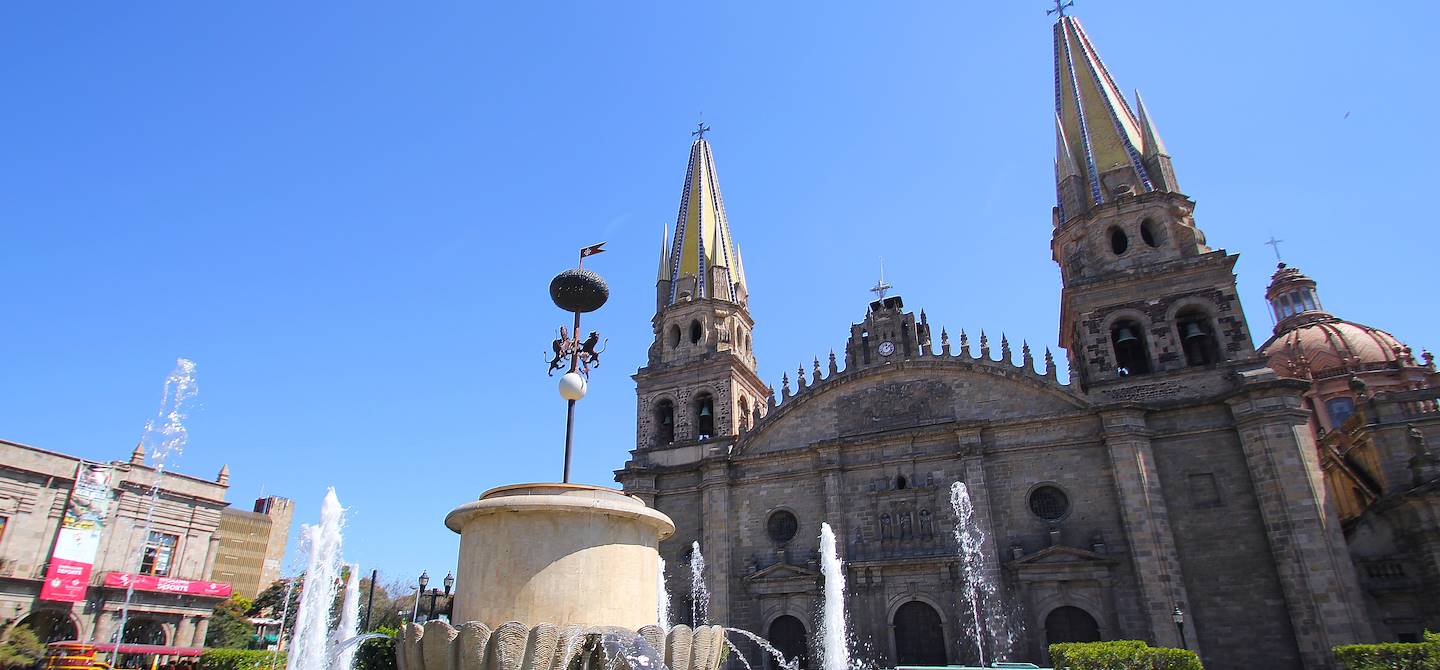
(167,440)
(310,643)
(699,593)
(834,641)
(662,598)
(556,574)
(988,615)
(349,620)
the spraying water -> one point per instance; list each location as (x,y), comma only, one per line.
(349,622)
(309,644)
(699,595)
(980,592)
(834,642)
(165,441)
(662,600)
(769,648)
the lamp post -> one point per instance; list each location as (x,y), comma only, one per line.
(434,593)
(1179,617)
(449,604)
(424,579)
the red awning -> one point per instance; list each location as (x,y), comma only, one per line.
(159,649)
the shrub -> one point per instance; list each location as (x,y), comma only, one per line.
(21,649)
(379,653)
(1121,655)
(1392,655)
(240,659)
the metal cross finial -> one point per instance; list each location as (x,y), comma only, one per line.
(880,286)
(1274,243)
(700,130)
(1060,7)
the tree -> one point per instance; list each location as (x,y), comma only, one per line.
(21,649)
(270,603)
(230,625)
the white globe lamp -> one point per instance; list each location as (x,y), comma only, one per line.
(573,386)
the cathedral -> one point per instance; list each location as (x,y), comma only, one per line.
(1182,487)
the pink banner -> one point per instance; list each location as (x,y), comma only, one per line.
(122,580)
(65,581)
(79,537)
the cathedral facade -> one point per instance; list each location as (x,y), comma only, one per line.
(1178,489)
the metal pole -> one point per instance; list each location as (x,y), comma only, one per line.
(370,601)
(433,594)
(570,405)
(419,593)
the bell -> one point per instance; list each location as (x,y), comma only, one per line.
(705,410)
(667,420)
(1124,336)
(1192,331)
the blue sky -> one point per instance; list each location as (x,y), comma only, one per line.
(348,214)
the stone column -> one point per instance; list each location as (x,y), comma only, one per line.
(185,632)
(1147,530)
(210,554)
(202,627)
(1311,558)
(833,479)
(716,534)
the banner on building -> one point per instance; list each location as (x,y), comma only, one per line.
(123,580)
(80,531)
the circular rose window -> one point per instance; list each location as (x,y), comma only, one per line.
(1049,503)
(781,526)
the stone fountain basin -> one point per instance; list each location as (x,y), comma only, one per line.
(515,646)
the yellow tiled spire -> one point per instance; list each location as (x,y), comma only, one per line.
(702,243)
(1102,133)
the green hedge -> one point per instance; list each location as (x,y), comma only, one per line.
(1391,656)
(379,653)
(240,659)
(1121,655)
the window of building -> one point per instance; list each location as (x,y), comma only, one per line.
(901,482)
(674,336)
(1118,241)
(664,422)
(696,332)
(704,416)
(159,549)
(3,521)
(1339,409)
(1197,337)
(1152,234)
(1049,503)
(782,526)
(1131,355)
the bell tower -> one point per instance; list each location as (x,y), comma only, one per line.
(699,382)
(1144,296)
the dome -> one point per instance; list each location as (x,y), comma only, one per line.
(1327,346)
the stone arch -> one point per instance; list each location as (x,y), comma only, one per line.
(918,631)
(1068,623)
(147,630)
(662,408)
(1142,325)
(791,637)
(1209,321)
(1054,600)
(50,624)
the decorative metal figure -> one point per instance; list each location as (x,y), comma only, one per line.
(576,290)
(1060,7)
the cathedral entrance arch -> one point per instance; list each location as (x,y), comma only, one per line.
(50,625)
(1070,624)
(787,635)
(919,635)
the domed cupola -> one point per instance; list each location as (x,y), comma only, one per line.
(1311,343)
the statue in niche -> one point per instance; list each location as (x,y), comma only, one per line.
(887,532)
(905,525)
(927,525)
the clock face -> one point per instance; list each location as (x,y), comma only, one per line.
(886,348)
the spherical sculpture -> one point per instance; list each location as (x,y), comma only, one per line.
(573,386)
(578,290)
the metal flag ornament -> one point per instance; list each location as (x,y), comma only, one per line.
(576,290)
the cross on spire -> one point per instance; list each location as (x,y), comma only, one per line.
(1274,243)
(700,130)
(880,286)
(1060,7)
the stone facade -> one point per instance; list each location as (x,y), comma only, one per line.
(34,487)
(1174,471)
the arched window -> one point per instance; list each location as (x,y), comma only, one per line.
(1070,624)
(674,336)
(664,423)
(50,626)
(1197,337)
(1131,355)
(739,338)
(1150,233)
(704,416)
(901,482)
(1118,241)
(745,417)
(696,332)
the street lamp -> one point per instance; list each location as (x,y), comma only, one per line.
(449,604)
(1178,617)
(424,579)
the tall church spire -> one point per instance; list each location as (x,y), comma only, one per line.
(703,261)
(1115,151)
